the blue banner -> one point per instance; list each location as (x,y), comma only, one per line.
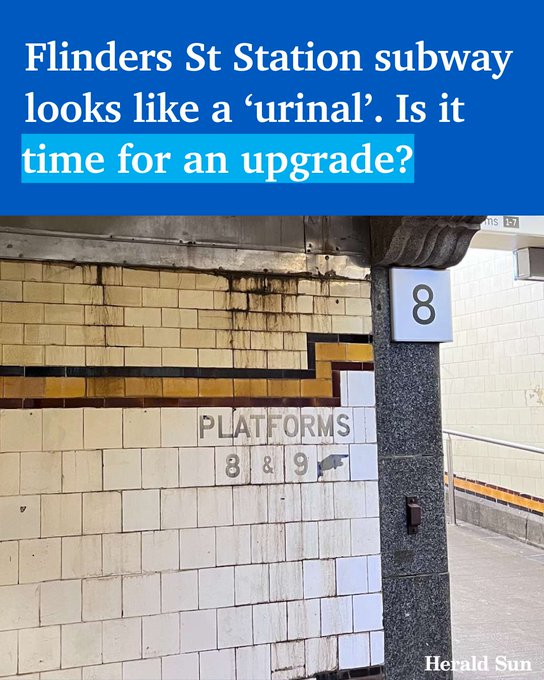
(359,108)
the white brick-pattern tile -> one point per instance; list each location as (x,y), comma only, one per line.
(81,644)
(122,469)
(321,654)
(141,510)
(160,551)
(160,635)
(39,649)
(377,647)
(354,651)
(178,508)
(301,540)
(252,584)
(122,639)
(39,560)
(180,667)
(253,662)
(102,599)
(270,622)
(150,558)
(81,556)
(286,581)
(319,578)
(102,512)
(234,627)
(60,602)
(196,466)
(179,591)
(198,630)
(216,587)
(160,468)
(8,657)
(197,548)
(233,545)
(20,517)
(351,575)
(141,595)
(218,665)
(122,553)
(336,615)
(141,670)
(304,619)
(367,612)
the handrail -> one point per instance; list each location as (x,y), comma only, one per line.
(498,442)
(478,438)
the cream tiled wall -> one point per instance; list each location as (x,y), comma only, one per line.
(71,315)
(493,372)
(182,543)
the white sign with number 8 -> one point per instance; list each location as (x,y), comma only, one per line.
(420,305)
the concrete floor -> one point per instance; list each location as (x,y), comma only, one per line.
(497,602)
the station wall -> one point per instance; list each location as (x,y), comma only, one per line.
(188,475)
(493,379)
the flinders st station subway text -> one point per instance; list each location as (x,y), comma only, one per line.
(62,56)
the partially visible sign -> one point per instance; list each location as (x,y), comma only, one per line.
(420,305)
(510,222)
(530,225)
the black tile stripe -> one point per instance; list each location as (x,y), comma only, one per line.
(188,372)
(373,672)
(164,402)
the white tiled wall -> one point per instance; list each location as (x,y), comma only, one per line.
(154,545)
(493,372)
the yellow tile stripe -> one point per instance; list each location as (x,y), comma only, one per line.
(343,351)
(319,387)
(496,494)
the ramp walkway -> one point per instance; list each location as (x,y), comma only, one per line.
(497,588)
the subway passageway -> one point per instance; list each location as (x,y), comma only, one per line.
(497,586)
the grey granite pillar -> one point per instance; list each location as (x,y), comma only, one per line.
(415,567)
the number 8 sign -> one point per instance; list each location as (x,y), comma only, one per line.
(420,305)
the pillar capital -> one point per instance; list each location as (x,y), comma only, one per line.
(422,241)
